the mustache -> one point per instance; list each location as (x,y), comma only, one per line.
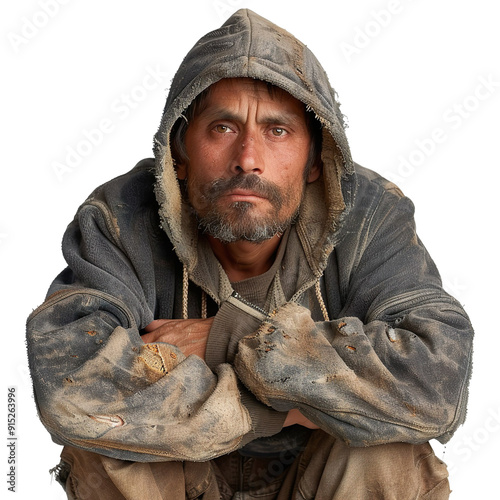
(250,182)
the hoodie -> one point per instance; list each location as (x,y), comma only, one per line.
(357,332)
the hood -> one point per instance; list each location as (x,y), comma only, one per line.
(247,45)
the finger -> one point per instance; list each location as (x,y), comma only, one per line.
(155,324)
(147,338)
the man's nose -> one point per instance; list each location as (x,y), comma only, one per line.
(248,155)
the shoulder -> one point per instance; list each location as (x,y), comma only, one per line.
(132,189)
(371,183)
(374,193)
(124,206)
(375,202)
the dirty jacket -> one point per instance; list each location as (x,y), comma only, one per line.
(367,344)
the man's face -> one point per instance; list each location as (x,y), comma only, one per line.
(247,149)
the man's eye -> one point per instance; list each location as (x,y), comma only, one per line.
(222,129)
(278,132)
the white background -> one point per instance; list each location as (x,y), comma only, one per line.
(418,80)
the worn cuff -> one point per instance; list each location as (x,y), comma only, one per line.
(265,420)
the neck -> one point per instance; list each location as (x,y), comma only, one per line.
(244,259)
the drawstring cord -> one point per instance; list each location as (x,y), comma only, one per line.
(203,305)
(185,293)
(319,296)
(185,288)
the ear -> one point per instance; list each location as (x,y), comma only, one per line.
(315,171)
(181,169)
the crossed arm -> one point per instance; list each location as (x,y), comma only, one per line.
(190,336)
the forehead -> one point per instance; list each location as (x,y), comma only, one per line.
(232,91)
(248,86)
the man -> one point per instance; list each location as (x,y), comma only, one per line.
(251,314)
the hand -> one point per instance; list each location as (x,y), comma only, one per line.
(295,417)
(189,335)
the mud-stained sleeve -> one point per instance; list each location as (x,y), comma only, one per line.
(394,366)
(98,386)
(369,384)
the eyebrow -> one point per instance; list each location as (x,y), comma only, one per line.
(219,113)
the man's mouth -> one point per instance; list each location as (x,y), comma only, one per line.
(236,195)
(248,188)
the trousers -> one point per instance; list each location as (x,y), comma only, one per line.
(325,469)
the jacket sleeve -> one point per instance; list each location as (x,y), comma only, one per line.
(97,385)
(394,365)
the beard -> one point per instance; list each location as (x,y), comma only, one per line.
(237,222)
